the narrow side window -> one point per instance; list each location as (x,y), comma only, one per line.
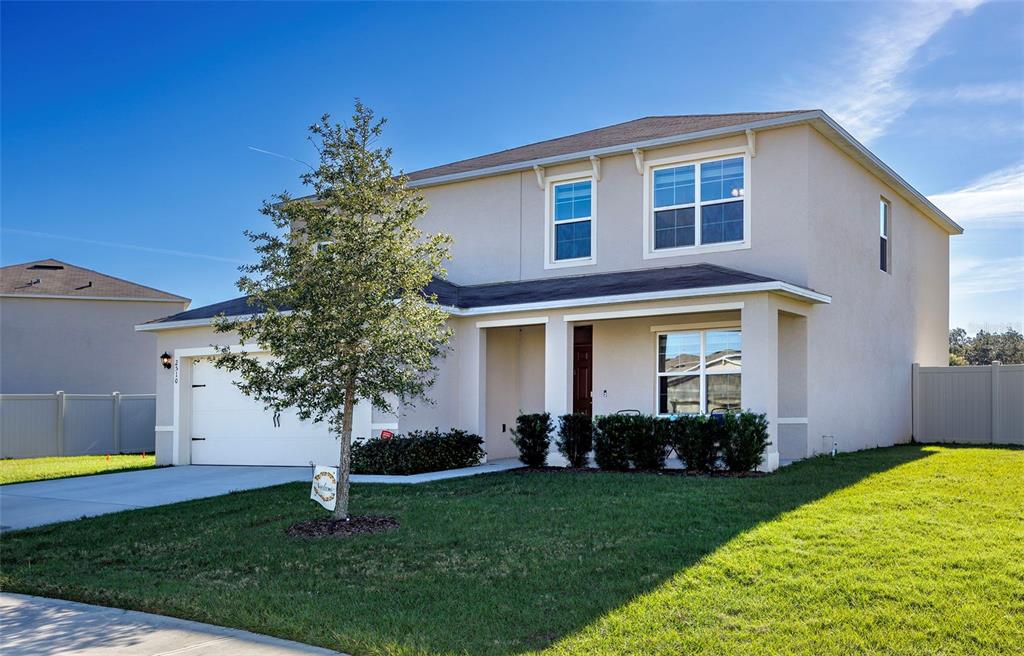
(884,230)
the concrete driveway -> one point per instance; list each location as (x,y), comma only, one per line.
(24,505)
(33,626)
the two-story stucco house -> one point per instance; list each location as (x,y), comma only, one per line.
(671,264)
(68,328)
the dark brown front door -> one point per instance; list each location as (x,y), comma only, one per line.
(582,369)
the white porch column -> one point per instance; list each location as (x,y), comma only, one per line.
(760,381)
(471,345)
(557,376)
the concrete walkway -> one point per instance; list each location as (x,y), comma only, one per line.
(24,505)
(42,627)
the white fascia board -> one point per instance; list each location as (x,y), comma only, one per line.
(749,288)
(777,287)
(619,149)
(186,323)
(845,141)
(70,297)
(819,119)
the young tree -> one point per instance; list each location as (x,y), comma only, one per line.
(338,293)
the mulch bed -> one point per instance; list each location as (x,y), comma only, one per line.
(327,527)
(654,472)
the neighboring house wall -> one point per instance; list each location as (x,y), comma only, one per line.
(78,346)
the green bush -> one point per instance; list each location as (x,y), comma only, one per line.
(575,438)
(745,441)
(532,436)
(610,448)
(647,441)
(696,440)
(624,440)
(417,452)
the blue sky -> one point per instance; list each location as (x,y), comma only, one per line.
(127,129)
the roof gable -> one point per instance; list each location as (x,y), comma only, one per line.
(48,278)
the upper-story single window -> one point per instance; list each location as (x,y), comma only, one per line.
(572,225)
(884,228)
(699,205)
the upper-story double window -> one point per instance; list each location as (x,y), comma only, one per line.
(571,226)
(699,205)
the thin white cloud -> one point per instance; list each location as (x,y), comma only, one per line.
(869,90)
(974,276)
(993,201)
(991,93)
(132,247)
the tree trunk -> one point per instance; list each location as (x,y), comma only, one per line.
(344,464)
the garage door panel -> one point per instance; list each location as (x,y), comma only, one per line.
(229,427)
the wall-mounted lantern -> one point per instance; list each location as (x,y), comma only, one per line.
(166,360)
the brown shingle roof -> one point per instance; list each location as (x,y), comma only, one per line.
(641,129)
(56,278)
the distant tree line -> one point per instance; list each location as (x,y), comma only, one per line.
(985,347)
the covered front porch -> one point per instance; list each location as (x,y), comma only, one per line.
(746,352)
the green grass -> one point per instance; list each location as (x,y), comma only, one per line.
(907,550)
(39,469)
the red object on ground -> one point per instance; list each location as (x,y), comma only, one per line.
(386,435)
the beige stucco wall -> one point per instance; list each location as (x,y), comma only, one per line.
(514,383)
(78,346)
(862,345)
(505,215)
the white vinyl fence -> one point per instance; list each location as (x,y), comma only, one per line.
(973,405)
(36,425)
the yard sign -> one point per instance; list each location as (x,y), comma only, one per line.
(325,486)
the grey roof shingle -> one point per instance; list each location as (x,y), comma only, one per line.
(688,277)
(55,278)
(641,129)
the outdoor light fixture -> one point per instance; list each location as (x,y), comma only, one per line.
(166,360)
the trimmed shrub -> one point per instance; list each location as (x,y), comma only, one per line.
(532,436)
(624,440)
(417,452)
(610,448)
(696,439)
(647,441)
(575,438)
(745,441)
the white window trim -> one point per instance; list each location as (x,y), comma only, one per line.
(703,374)
(887,236)
(695,159)
(549,221)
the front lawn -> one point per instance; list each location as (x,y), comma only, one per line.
(38,469)
(907,550)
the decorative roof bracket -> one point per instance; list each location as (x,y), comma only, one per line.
(539,170)
(638,159)
(595,163)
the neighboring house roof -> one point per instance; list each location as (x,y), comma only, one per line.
(53,278)
(566,291)
(641,129)
(659,131)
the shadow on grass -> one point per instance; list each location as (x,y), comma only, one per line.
(497,564)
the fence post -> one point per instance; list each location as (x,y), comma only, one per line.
(60,422)
(915,400)
(996,428)
(117,422)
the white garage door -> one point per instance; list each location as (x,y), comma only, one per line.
(229,428)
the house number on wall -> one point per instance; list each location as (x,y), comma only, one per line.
(175,371)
